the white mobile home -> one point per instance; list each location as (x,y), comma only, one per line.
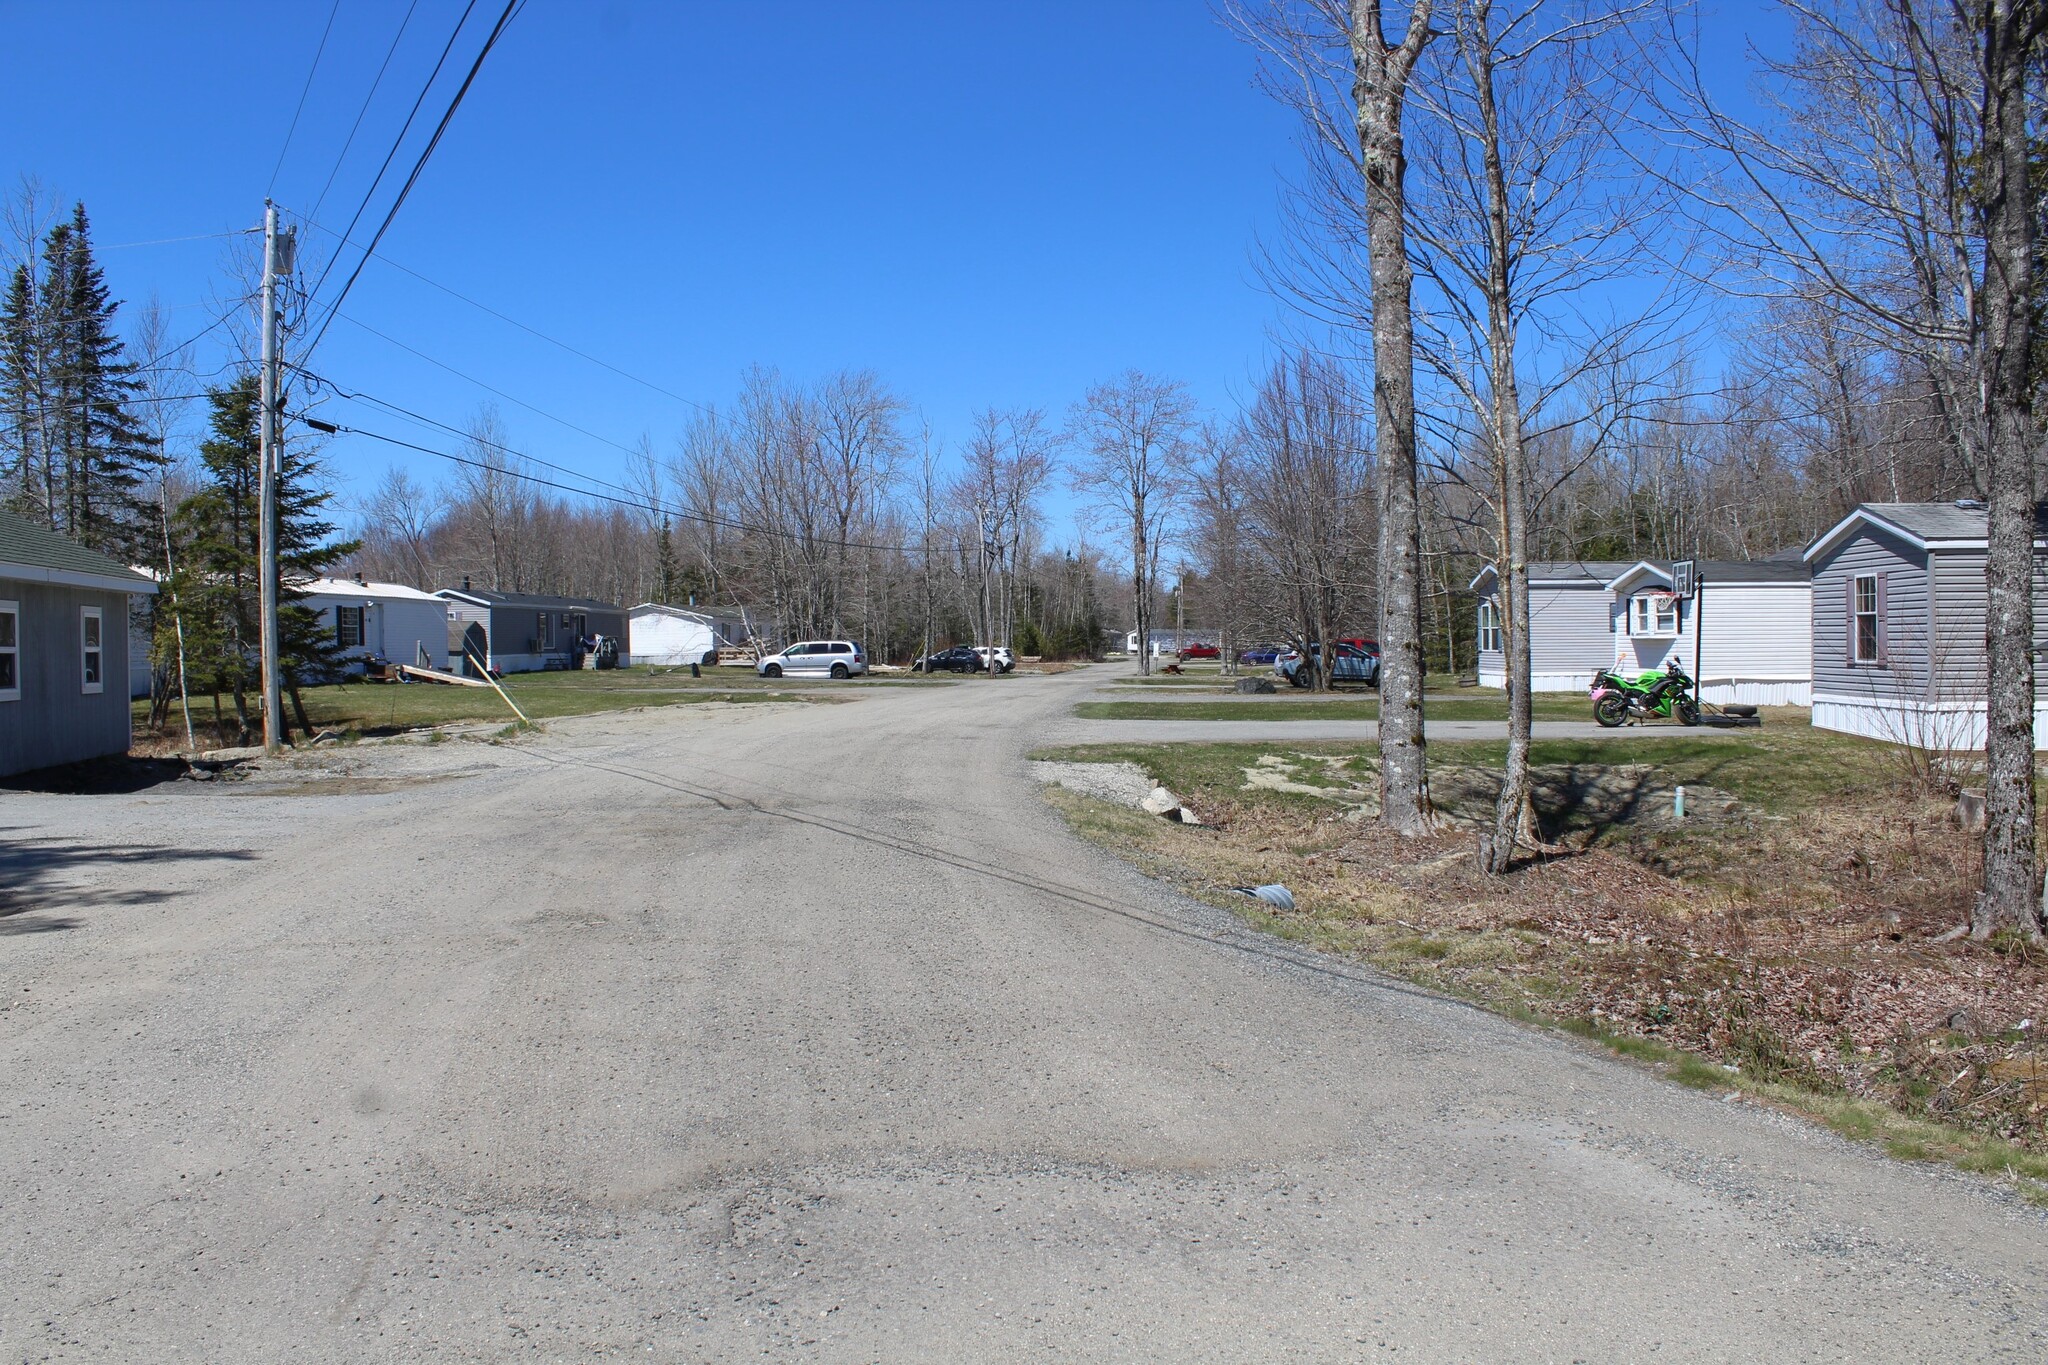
(370,620)
(676,636)
(1746,636)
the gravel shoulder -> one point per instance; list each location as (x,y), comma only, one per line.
(812,1033)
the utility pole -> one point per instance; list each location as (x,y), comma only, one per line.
(277,259)
(987,621)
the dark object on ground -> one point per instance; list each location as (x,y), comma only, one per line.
(1273,894)
(1170,668)
(1263,686)
(696,671)
(116,775)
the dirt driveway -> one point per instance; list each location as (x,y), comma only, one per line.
(810,1033)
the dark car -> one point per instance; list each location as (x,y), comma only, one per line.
(958,659)
(1200,651)
(1259,654)
(1348,663)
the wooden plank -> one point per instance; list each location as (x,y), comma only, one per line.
(436,675)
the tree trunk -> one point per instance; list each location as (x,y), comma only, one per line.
(1515,815)
(1141,586)
(1379,88)
(2011,896)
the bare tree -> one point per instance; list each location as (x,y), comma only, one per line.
(1894,182)
(399,522)
(1132,435)
(493,499)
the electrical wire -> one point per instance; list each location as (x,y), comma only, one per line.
(635,502)
(304,91)
(488,388)
(350,140)
(512,7)
(397,142)
(524,327)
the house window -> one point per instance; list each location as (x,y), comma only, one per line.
(1653,613)
(10,651)
(1867,619)
(544,631)
(92,676)
(348,627)
(1489,628)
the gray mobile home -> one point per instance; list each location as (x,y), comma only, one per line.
(1898,624)
(522,632)
(64,645)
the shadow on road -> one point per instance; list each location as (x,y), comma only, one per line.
(39,876)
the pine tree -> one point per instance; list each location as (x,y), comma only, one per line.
(76,455)
(668,577)
(220,583)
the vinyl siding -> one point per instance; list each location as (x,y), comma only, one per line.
(1570,638)
(1871,551)
(56,721)
(1957,661)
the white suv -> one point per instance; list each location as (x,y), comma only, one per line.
(1005,661)
(816,658)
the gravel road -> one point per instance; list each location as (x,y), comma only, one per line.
(809,1033)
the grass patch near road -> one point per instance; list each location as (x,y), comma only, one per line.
(386,708)
(1348,704)
(1786,947)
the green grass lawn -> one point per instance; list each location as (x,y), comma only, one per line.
(382,708)
(1344,705)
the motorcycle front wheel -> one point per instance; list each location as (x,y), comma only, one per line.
(1688,711)
(1611,711)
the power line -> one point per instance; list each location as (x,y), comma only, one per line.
(512,7)
(399,141)
(304,91)
(487,388)
(524,327)
(632,501)
(350,140)
(166,241)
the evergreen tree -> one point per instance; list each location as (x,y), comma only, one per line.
(75,454)
(219,581)
(667,573)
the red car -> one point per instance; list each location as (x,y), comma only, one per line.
(1200,651)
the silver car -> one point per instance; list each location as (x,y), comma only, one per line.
(816,659)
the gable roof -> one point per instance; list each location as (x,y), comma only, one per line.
(348,587)
(1790,572)
(1959,525)
(1563,573)
(36,554)
(529,600)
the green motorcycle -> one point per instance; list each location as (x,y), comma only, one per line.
(1665,693)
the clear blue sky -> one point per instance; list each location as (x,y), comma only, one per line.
(988,205)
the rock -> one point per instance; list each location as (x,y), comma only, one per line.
(1160,802)
(1261,686)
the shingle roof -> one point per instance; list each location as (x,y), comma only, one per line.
(1771,570)
(45,556)
(537,601)
(348,587)
(1588,570)
(1942,520)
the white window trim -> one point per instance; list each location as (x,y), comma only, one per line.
(1856,621)
(1644,611)
(12,609)
(92,689)
(1489,627)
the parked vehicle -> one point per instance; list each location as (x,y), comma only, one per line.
(1348,663)
(958,659)
(1005,660)
(1199,650)
(1666,693)
(1371,647)
(1259,654)
(816,658)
